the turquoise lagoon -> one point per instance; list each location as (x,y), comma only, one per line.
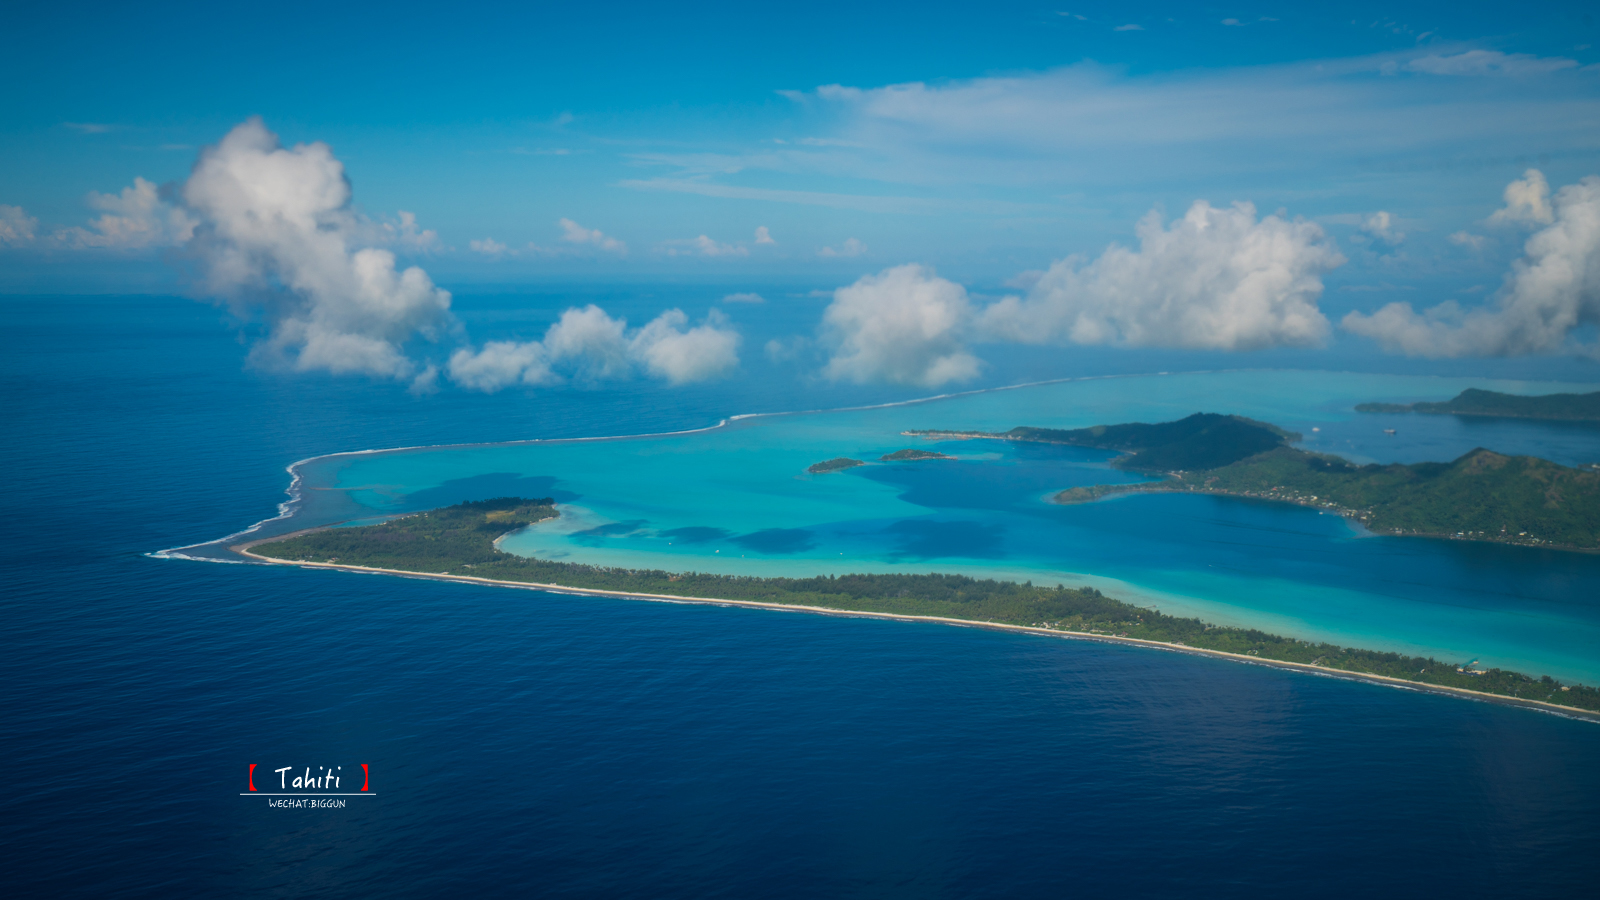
(736,499)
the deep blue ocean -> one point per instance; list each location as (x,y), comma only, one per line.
(524,743)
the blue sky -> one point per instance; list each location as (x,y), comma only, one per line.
(822,143)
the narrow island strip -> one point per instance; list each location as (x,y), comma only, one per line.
(460,543)
(1476,402)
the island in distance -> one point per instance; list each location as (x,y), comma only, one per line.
(841,463)
(1474,402)
(1481,496)
(838,464)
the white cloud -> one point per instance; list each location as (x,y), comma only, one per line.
(1100,129)
(903,325)
(587,345)
(864,203)
(501,364)
(1490,62)
(744,298)
(1381,226)
(133,220)
(488,247)
(1216,280)
(1466,239)
(851,247)
(407,234)
(1232,22)
(88,127)
(681,356)
(1551,291)
(16,226)
(704,246)
(426,382)
(276,237)
(1128,28)
(763,236)
(573,233)
(1527,201)
(781,350)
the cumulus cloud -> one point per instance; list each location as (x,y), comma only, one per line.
(851,247)
(704,246)
(136,218)
(488,247)
(903,325)
(763,236)
(1490,62)
(1551,291)
(587,345)
(16,226)
(276,237)
(1218,279)
(744,298)
(782,350)
(1381,226)
(408,234)
(679,355)
(573,233)
(1467,239)
(1527,202)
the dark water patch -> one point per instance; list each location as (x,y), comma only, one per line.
(613,529)
(777,540)
(696,534)
(487,487)
(920,539)
(1022,474)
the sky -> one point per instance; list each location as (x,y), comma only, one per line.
(1227,179)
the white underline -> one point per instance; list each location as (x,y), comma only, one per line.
(259,794)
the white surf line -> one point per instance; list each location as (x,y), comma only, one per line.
(1556,709)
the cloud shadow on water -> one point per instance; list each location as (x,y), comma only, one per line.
(488,487)
(922,539)
(777,540)
(611,529)
(697,534)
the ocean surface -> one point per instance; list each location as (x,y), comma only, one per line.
(521,742)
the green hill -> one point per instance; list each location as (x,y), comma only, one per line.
(1483,495)
(1200,441)
(1520,499)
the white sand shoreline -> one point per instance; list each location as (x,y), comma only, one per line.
(1460,693)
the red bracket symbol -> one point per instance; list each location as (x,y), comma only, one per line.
(366,777)
(252,776)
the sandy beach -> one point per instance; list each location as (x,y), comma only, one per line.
(245,549)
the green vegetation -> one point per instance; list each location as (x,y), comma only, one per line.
(1473,402)
(834,465)
(1481,496)
(461,540)
(1201,441)
(902,455)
